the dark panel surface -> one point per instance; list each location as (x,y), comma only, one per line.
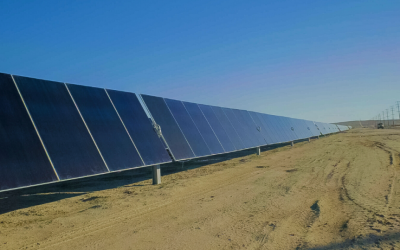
(204,127)
(139,127)
(250,127)
(334,129)
(309,129)
(271,122)
(106,127)
(287,125)
(64,134)
(261,128)
(294,124)
(321,127)
(23,161)
(327,128)
(269,130)
(277,121)
(170,129)
(229,129)
(300,128)
(306,128)
(312,127)
(217,128)
(240,129)
(188,127)
(254,129)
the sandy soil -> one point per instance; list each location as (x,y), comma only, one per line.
(340,191)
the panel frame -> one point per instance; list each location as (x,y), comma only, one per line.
(202,107)
(165,141)
(182,106)
(185,104)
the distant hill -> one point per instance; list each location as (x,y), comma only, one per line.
(367,123)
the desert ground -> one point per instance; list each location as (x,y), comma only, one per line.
(337,192)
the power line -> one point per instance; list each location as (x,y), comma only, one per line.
(398,108)
(387,116)
(391,107)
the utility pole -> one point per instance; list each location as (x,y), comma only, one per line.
(387,116)
(392,115)
(398,108)
(383,117)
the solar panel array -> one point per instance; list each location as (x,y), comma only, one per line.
(195,130)
(52,131)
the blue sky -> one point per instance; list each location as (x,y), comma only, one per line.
(327,61)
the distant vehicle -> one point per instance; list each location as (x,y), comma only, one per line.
(380,125)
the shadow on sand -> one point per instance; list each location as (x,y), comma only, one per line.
(384,241)
(33,196)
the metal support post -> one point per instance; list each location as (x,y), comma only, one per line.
(156,174)
(258,150)
(292,144)
(309,139)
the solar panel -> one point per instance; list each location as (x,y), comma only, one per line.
(247,129)
(291,127)
(285,128)
(321,127)
(264,133)
(204,128)
(296,127)
(23,161)
(252,127)
(305,133)
(106,127)
(241,131)
(272,122)
(304,128)
(61,128)
(188,127)
(228,127)
(333,127)
(173,135)
(328,128)
(138,124)
(51,131)
(268,128)
(217,128)
(312,127)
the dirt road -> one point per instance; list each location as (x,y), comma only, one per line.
(341,191)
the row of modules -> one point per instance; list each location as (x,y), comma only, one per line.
(194,130)
(52,131)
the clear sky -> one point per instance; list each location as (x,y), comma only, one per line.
(327,61)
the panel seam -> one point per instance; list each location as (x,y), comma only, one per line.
(87,127)
(154,122)
(218,120)
(196,127)
(178,126)
(123,124)
(233,127)
(210,127)
(262,134)
(34,125)
(230,139)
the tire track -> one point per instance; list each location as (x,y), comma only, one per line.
(394,160)
(101,225)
